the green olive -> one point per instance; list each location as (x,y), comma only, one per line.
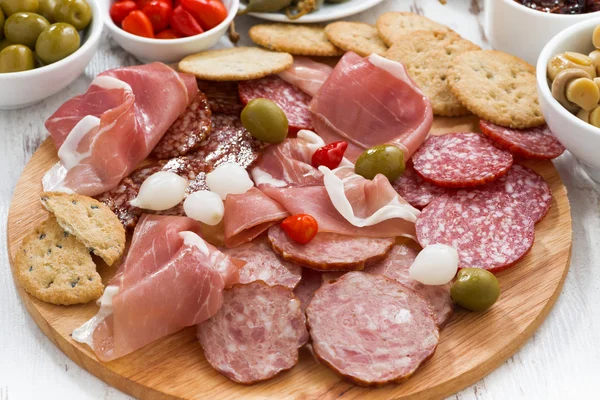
(265,6)
(16,58)
(2,19)
(57,42)
(46,9)
(385,159)
(9,7)
(24,28)
(75,12)
(5,43)
(265,121)
(475,289)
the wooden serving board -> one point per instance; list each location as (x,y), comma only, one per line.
(471,346)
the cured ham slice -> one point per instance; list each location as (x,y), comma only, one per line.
(306,74)
(103,134)
(170,279)
(371,101)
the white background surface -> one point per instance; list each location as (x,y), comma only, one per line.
(562,360)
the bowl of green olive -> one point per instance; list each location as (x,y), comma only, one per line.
(44,46)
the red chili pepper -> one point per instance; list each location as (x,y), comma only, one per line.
(138,23)
(209,13)
(142,3)
(301,228)
(167,34)
(119,11)
(183,23)
(330,155)
(159,14)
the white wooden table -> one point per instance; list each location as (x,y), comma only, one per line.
(562,360)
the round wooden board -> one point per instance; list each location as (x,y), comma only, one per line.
(471,346)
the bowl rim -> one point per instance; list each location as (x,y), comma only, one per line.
(95,32)
(541,72)
(232,12)
(550,16)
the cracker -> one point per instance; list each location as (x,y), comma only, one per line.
(91,221)
(235,64)
(392,26)
(55,267)
(426,56)
(497,87)
(358,37)
(300,40)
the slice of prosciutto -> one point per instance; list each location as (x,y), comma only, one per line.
(103,134)
(371,101)
(306,74)
(171,279)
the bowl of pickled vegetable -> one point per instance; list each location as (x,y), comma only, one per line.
(45,45)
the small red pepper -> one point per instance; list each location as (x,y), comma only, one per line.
(167,34)
(330,155)
(159,14)
(301,228)
(119,11)
(184,24)
(138,23)
(209,13)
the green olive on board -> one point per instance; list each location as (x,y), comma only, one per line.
(475,289)
(265,121)
(75,12)
(46,9)
(24,28)
(384,159)
(265,6)
(9,7)
(16,58)
(57,42)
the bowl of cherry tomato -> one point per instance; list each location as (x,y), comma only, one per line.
(168,30)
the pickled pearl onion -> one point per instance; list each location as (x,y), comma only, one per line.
(204,206)
(436,264)
(160,191)
(227,179)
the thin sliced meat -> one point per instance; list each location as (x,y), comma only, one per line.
(535,143)
(331,251)
(487,228)
(395,266)
(262,264)
(370,101)
(289,98)
(371,329)
(415,190)
(306,74)
(310,282)
(256,334)
(461,160)
(222,97)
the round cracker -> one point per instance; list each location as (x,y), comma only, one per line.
(392,26)
(426,56)
(358,37)
(235,64)
(497,87)
(300,40)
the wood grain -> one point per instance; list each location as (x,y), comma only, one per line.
(471,346)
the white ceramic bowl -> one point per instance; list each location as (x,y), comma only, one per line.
(579,137)
(21,89)
(519,30)
(171,50)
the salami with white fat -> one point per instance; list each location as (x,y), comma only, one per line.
(417,192)
(461,160)
(256,334)
(371,329)
(330,251)
(222,97)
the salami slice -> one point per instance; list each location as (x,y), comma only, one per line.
(396,265)
(330,251)
(292,100)
(487,228)
(535,143)
(222,97)
(187,132)
(310,282)
(256,334)
(264,265)
(460,160)
(415,190)
(371,329)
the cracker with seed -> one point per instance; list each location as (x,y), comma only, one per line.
(497,87)
(358,37)
(235,64)
(392,26)
(53,266)
(91,221)
(426,56)
(300,40)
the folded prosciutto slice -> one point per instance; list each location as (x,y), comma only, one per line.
(103,134)
(306,74)
(371,101)
(170,279)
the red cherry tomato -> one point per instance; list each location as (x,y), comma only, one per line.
(167,34)
(183,23)
(159,14)
(138,23)
(209,13)
(301,228)
(142,3)
(330,155)
(118,11)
